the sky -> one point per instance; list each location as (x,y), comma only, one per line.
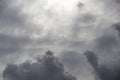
(84,36)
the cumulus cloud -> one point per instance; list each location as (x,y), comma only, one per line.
(45,68)
(102,71)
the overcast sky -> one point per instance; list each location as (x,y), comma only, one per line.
(69,28)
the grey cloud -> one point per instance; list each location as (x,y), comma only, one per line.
(47,40)
(15,32)
(71,43)
(81,22)
(13,21)
(107,42)
(87,18)
(117,27)
(71,58)
(92,58)
(107,46)
(110,6)
(80,5)
(75,63)
(46,68)
(11,16)
(102,71)
(11,44)
(117,1)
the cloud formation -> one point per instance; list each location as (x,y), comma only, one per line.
(102,71)
(45,68)
(69,27)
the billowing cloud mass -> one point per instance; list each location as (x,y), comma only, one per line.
(45,68)
(102,71)
(68,27)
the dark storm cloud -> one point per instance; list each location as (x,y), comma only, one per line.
(46,68)
(102,71)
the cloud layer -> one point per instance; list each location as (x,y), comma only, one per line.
(68,27)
